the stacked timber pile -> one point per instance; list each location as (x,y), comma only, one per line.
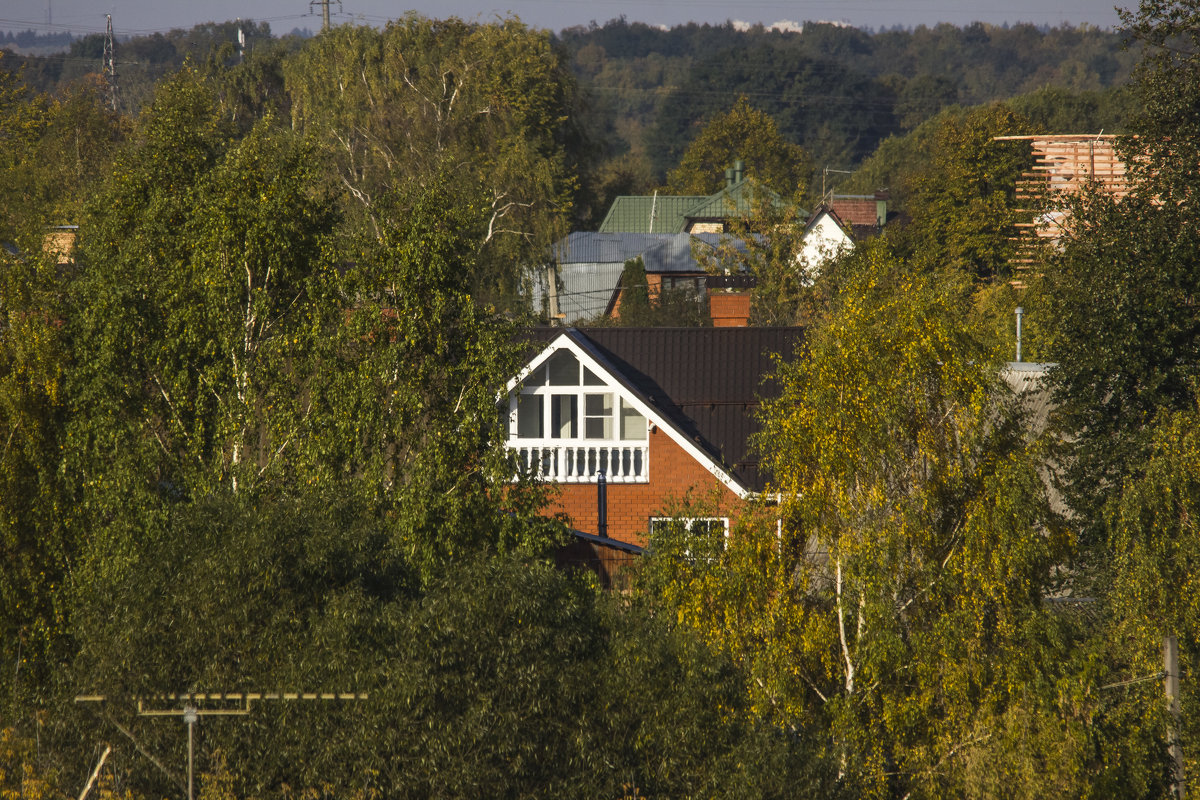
(1063,164)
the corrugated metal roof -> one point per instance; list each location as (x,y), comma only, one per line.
(587,289)
(709,382)
(633,213)
(1027,380)
(590,264)
(661,252)
(734,201)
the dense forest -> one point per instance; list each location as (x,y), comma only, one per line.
(646,93)
(251,440)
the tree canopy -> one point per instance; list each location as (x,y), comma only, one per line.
(744,134)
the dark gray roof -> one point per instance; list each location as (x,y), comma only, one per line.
(708,382)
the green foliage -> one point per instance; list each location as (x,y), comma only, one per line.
(1118,297)
(922,97)
(747,134)
(1057,110)
(1154,553)
(903,600)
(35,555)
(838,92)
(839,120)
(642,306)
(502,676)
(766,244)
(1165,88)
(627,174)
(56,151)
(964,202)
(425,99)
(46,173)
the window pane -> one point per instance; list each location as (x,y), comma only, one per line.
(598,409)
(564,411)
(592,379)
(633,424)
(529,416)
(537,377)
(707,528)
(598,405)
(563,369)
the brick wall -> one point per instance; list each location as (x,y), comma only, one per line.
(673,475)
(729,309)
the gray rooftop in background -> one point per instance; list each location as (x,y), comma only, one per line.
(590,264)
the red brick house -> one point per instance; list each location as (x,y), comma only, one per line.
(665,413)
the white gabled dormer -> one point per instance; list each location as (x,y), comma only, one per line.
(568,420)
(825,238)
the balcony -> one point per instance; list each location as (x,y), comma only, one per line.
(557,462)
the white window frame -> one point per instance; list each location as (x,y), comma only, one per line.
(688,522)
(581,391)
(654,420)
(569,454)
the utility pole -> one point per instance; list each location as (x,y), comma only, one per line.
(1171,689)
(110,64)
(324,4)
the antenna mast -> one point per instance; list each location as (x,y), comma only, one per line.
(201,704)
(110,64)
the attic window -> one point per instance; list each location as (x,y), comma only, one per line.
(559,400)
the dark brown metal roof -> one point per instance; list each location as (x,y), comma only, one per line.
(709,382)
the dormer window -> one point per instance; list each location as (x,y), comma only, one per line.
(567,422)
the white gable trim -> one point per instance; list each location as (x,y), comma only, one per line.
(564,342)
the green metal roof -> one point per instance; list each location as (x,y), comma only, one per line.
(733,201)
(631,213)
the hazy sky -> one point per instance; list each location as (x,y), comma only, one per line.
(144,16)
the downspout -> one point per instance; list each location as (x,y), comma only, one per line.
(602,505)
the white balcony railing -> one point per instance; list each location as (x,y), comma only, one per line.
(582,463)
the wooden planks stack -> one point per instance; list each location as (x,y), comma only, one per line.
(1063,164)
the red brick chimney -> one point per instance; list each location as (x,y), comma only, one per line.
(729,300)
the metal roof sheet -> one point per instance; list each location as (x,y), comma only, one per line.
(664,213)
(734,201)
(710,382)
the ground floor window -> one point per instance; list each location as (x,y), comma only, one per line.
(689,537)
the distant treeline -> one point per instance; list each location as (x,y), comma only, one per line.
(32,38)
(839,92)
(835,90)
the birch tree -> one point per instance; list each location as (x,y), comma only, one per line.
(486,104)
(904,597)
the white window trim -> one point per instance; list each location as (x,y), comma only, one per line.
(653,418)
(688,521)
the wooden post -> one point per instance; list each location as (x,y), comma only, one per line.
(1171,689)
